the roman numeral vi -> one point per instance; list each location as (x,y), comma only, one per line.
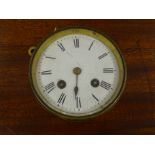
(78,103)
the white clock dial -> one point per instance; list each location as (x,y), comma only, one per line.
(77,75)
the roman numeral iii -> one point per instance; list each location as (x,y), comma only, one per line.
(49,87)
(61,46)
(108,70)
(105,85)
(61,99)
(76,42)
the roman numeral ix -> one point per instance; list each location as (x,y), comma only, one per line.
(46,72)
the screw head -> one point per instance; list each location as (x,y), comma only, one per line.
(77,70)
(61,84)
(95,83)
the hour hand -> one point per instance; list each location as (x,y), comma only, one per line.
(76,71)
(76,90)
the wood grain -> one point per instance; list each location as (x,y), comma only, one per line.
(20,112)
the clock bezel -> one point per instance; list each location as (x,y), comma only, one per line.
(77,30)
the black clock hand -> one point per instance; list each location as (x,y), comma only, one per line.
(76,89)
(76,71)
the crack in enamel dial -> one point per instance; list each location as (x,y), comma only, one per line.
(77,73)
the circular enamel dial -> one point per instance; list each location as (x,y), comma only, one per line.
(77,73)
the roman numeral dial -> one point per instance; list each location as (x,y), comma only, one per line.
(77,73)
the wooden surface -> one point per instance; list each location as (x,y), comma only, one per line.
(20,112)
